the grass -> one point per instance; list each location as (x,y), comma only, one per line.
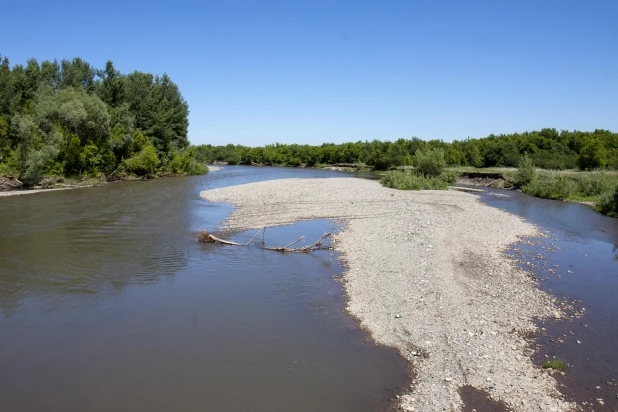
(578,187)
(555,364)
(411,181)
(598,188)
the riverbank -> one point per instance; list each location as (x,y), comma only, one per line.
(436,259)
(76,185)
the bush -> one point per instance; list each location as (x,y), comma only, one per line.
(576,186)
(411,181)
(143,162)
(526,171)
(449,176)
(595,184)
(430,163)
(184,162)
(552,186)
(607,202)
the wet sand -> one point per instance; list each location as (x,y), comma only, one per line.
(436,259)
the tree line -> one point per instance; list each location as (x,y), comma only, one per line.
(68,118)
(548,149)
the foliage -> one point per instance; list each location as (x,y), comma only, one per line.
(184,161)
(607,202)
(70,118)
(526,171)
(590,186)
(412,181)
(449,176)
(547,148)
(592,156)
(430,163)
(143,162)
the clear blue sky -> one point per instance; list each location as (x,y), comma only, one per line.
(258,72)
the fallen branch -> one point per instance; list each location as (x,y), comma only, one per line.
(205,237)
(246,244)
(314,246)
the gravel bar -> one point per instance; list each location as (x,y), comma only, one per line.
(436,258)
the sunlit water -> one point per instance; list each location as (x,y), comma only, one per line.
(582,250)
(108,303)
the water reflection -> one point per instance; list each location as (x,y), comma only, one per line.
(109,303)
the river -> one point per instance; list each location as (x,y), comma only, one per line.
(577,262)
(108,302)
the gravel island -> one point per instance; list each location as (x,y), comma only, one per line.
(436,259)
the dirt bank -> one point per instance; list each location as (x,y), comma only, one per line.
(435,258)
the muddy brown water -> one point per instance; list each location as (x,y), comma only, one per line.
(578,263)
(107,302)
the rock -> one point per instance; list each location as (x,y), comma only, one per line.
(8,183)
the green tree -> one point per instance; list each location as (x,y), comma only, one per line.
(430,163)
(144,162)
(592,156)
(526,171)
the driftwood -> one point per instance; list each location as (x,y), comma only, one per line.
(206,237)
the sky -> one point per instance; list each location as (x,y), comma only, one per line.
(308,72)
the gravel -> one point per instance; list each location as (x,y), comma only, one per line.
(435,258)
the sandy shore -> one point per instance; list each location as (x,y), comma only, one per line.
(436,258)
(32,191)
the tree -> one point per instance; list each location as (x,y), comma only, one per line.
(592,156)
(112,89)
(430,163)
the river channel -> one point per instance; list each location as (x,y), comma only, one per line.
(108,303)
(577,262)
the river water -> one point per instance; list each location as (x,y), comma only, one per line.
(578,263)
(107,302)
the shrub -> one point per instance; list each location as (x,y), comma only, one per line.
(411,181)
(526,171)
(552,186)
(449,176)
(594,184)
(143,162)
(607,202)
(430,163)
(184,162)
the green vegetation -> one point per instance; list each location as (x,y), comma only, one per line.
(429,163)
(597,187)
(555,365)
(412,181)
(69,119)
(542,159)
(526,171)
(427,175)
(607,203)
(547,149)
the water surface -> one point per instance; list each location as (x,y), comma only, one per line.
(578,263)
(107,302)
